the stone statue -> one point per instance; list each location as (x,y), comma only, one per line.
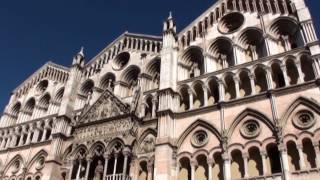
(98,172)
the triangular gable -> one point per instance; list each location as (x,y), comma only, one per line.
(107,106)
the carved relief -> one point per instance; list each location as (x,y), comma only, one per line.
(105,107)
(109,129)
(148,144)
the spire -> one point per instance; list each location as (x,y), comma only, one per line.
(81,51)
(79,58)
(170,15)
(169,24)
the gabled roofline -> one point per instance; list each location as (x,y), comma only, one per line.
(123,35)
(49,63)
(199,18)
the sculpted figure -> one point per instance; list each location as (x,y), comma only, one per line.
(98,172)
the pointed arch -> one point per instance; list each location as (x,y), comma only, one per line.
(300,101)
(95,146)
(250,112)
(146,133)
(41,153)
(18,157)
(198,123)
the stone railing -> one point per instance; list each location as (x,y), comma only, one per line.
(26,133)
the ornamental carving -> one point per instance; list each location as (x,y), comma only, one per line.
(199,138)
(304,119)
(109,129)
(148,144)
(105,107)
(250,129)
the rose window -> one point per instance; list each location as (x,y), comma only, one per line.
(200,138)
(250,129)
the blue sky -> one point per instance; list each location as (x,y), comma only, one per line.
(34,32)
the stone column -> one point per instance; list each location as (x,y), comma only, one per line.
(36,132)
(285,75)
(73,162)
(226,166)
(106,161)
(190,99)
(210,165)
(23,133)
(205,95)
(252,84)
(150,171)
(45,130)
(125,163)
(264,162)
(89,161)
(115,166)
(193,170)
(284,160)
(237,86)
(302,163)
(79,169)
(154,107)
(301,75)
(15,137)
(31,128)
(317,151)
(269,78)
(245,158)
(221,91)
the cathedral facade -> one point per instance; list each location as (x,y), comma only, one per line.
(234,95)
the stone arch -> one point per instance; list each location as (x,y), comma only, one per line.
(293,156)
(299,101)
(277,74)
(87,87)
(184,97)
(40,154)
(78,149)
(307,67)
(15,109)
(222,50)
(30,105)
(250,112)
(44,101)
(213,89)
(292,70)
(153,69)
(255,167)
(93,148)
(244,82)
(193,60)
(230,86)
(147,141)
(107,81)
(198,123)
(11,163)
(59,95)
(198,94)
(130,77)
(261,80)
(252,41)
(287,30)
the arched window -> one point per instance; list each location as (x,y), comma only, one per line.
(193,61)
(130,78)
(107,81)
(222,51)
(255,163)
(213,94)
(185,169)
(292,71)
(307,68)
(198,98)
(245,85)
(87,88)
(230,89)
(293,156)
(252,41)
(274,158)
(237,165)
(184,99)
(277,76)
(260,80)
